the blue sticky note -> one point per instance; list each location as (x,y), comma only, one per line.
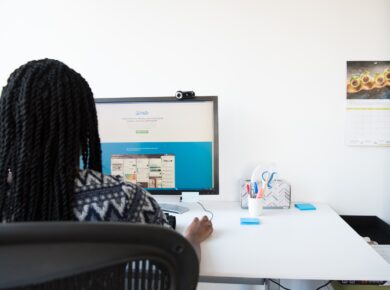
(305,206)
(249,221)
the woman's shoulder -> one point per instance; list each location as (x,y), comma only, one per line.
(101,197)
(89,177)
(89,180)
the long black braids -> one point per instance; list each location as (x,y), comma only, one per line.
(47,122)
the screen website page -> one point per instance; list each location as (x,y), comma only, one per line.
(158,145)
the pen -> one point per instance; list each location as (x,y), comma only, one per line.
(261,192)
(252,186)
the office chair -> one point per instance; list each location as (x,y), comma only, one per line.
(98,256)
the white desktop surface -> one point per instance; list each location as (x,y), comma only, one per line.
(288,244)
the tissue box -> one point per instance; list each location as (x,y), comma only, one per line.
(278,196)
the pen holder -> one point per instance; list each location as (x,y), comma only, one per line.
(255,206)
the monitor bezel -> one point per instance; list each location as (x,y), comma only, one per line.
(214,99)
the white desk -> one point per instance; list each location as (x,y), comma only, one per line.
(289,244)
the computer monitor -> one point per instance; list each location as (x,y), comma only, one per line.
(167,146)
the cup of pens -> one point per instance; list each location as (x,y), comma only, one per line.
(255,200)
(255,206)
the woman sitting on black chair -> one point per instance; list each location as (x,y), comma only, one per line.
(47,122)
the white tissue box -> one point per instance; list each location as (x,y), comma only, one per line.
(278,196)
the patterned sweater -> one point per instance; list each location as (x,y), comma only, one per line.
(102,197)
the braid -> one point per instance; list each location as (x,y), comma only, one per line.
(7,157)
(47,120)
(36,170)
(95,161)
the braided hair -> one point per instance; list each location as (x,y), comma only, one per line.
(47,122)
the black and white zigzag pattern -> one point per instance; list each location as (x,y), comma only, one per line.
(102,197)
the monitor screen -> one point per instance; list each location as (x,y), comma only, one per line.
(165,145)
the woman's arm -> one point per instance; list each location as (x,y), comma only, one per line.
(198,231)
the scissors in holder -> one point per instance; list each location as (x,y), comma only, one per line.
(268,177)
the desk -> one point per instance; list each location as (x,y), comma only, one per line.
(289,244)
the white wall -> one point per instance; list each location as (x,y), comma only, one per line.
(278,67)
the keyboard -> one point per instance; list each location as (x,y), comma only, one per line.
(173,208)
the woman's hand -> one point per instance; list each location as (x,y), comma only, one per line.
(199,230)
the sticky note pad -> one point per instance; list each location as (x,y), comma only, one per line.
(305,206)
(249,221)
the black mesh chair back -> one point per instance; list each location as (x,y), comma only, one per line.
(94,256)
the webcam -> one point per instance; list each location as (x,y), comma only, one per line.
(180,95)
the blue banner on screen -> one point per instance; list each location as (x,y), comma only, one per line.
(161,165)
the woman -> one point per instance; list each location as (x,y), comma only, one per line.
(47,122)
